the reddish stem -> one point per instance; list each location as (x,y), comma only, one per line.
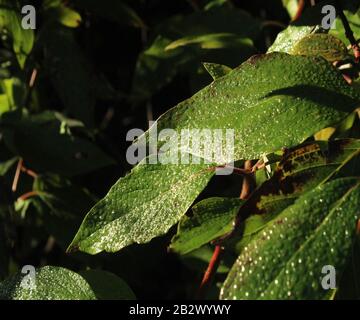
(28,195)
(29,172)
(211,269)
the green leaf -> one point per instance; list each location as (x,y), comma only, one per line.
(157,67)
(321,44)
(215,4)
(69,72)
(51,283)
(107,286)
(354,22)
(291,7)
(14,94)
(349,286)
(65,16)
(39,141)
(216,70)
(142,205)
(10,24)
(210,219)
(6,165)
(62,206)
(264,102)
(211,41)
(285,260)
(113,10)
(302,169)
(287,38)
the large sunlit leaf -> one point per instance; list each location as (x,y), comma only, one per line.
(142,205)
(286,259)
(270,101)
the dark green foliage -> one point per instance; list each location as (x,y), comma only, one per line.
(71,90)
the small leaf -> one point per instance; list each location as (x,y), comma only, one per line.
(67,17)
(50,283)
(142,205)
(216,70)
(107,286)
(285,260)
(10,24)
(15,92)
(113,10)
(211,41)
(211,219)
(287,38)
(321,44)
(6,165)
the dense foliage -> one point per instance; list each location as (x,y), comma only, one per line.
(70,91)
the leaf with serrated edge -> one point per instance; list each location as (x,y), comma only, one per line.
(142,205)
(285,260)
(300,170)
(270,101)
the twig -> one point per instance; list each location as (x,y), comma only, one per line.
(17,175)
(29,172)
(32,80)
(211,270)
(348,32)
(28,195)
